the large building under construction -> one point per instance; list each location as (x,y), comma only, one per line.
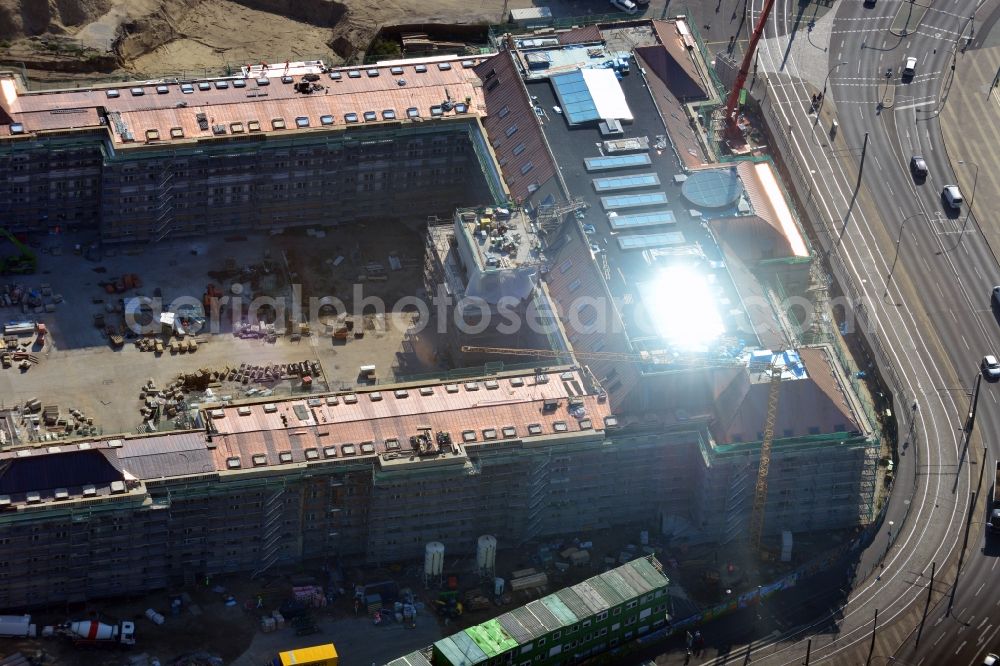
(659,271)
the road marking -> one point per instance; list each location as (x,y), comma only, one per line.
(938,639)
(980,625)
(983,584)
(940,619)
(911,106)
(953,315)
(976,268)
(970,349)
(982,636)
(960,647)
(921,661)
(994,566)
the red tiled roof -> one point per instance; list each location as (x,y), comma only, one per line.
(153,110)
(672,111)
(584,35)
(249,430)
(684,78)
(806,406)
(513,128)
(575,283)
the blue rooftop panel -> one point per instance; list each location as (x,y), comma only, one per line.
(633,200)
(577,102)
(608,162)
(651,219)
(612,183)
(650,240)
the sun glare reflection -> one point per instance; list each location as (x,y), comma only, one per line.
(682,308)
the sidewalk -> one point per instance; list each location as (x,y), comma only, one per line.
(970,123)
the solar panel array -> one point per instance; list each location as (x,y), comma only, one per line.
(633,200)
(645,241)
(608,162)
(651,219)
(577,102)
(612,183)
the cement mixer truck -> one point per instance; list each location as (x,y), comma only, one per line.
(93,633)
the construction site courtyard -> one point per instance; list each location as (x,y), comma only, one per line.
(85,300)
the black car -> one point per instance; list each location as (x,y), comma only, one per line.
(918,167)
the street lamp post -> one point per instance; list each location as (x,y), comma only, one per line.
(828,73)
(899,239)
(975,180)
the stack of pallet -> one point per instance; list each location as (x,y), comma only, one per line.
(527,579)
(420,42)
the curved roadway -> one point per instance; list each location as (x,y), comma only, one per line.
(929,305)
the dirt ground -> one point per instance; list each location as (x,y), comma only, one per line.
(78,369)
(61,39)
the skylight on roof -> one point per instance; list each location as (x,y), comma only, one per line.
(326,120)
(420,68)
(351,117)
(444,66)
(302,121)
(413,112)
(204,85)
(113,94)
(354,74)
(396,70)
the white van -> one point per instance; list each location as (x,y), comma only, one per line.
(952,196)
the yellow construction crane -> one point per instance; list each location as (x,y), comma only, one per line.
(760,493)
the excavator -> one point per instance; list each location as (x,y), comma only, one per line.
(23,263)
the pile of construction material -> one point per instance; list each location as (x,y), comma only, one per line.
(262,374)
(52,423)
(421,42)
(158,346)
(158,403)
(528,579)
(29,299)
(248,373)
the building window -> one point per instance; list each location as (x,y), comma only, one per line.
(519,148)
(510,131)
(526,168)
(503,112)
(601,617)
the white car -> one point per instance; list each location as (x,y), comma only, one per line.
(991,660)
(909,68)
(626,6)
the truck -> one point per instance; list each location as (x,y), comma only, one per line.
(994,524)
(317,655)
(17,626)
(93,633)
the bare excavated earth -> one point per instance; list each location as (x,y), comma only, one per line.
(66,39)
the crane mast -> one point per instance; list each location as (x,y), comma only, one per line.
(741,78)
(760,492)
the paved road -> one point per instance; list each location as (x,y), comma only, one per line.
(924,280)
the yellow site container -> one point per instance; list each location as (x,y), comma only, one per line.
(317,655)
